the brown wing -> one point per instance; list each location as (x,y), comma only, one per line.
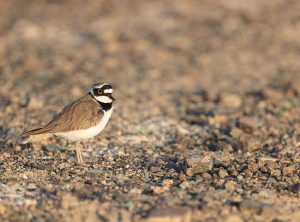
(81,114)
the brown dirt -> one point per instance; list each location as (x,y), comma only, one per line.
(206,125)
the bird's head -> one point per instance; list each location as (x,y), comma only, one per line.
(102,92)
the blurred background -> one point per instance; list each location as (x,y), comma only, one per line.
(190,76)
(149,50)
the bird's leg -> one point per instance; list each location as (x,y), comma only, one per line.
(80,157)
(79,154)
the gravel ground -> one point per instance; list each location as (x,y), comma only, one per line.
(206,125)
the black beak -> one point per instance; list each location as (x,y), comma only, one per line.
(112,98)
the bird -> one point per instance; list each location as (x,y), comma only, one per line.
(82,119)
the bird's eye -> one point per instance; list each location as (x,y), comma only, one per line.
(100,91)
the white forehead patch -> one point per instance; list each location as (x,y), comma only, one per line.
(97,87)
(108,90)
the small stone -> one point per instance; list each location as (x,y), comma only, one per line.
(295,188)
(230,185)
(35,103)
(5,155)
(185,185)
(218,120)
(68,201)
(248,173)
(222,145)
(222,157)
(248,143)
(234,218)
(243,167)
(18,148)
(135,191)
(272,165)
(154,169)
(198,164)
(252,166)
(276,172)
(158,189)
(121,151)
(176,214)
(167,183)
(24,176)
(272,180)
(240,178)
(31,187)
(288,170)
(296,159)
(249,207)
(273,95)
(232,171)
(2,209)
(206,175)
(231,100)
(236,132)
(265,161)
(223,173)
(261,163)
(247,124)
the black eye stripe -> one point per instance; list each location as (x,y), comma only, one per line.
(96,92)
(106,87)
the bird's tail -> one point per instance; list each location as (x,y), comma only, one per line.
(34,132)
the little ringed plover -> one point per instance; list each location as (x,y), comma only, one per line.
(83,118)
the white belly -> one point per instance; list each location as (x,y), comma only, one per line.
(89,132)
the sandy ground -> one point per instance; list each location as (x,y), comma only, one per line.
(206,125)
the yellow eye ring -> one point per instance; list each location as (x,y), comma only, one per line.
(100,91)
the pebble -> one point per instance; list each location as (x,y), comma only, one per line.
(224,146)
(2,209)
(288,170)
(31,187)
(247,142)
(252,166)
(35,103)
(234,218)
(167,183)
(154,169)
(199,164)
(248,173)
(222,157)
(231,100)
(223,173)
(232,171)
(250,207)
(176,214)
(230,185)
(236,132)
(276,173)
(247,124)
(206,175)
(240,178)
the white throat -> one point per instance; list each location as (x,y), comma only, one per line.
(104,99)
